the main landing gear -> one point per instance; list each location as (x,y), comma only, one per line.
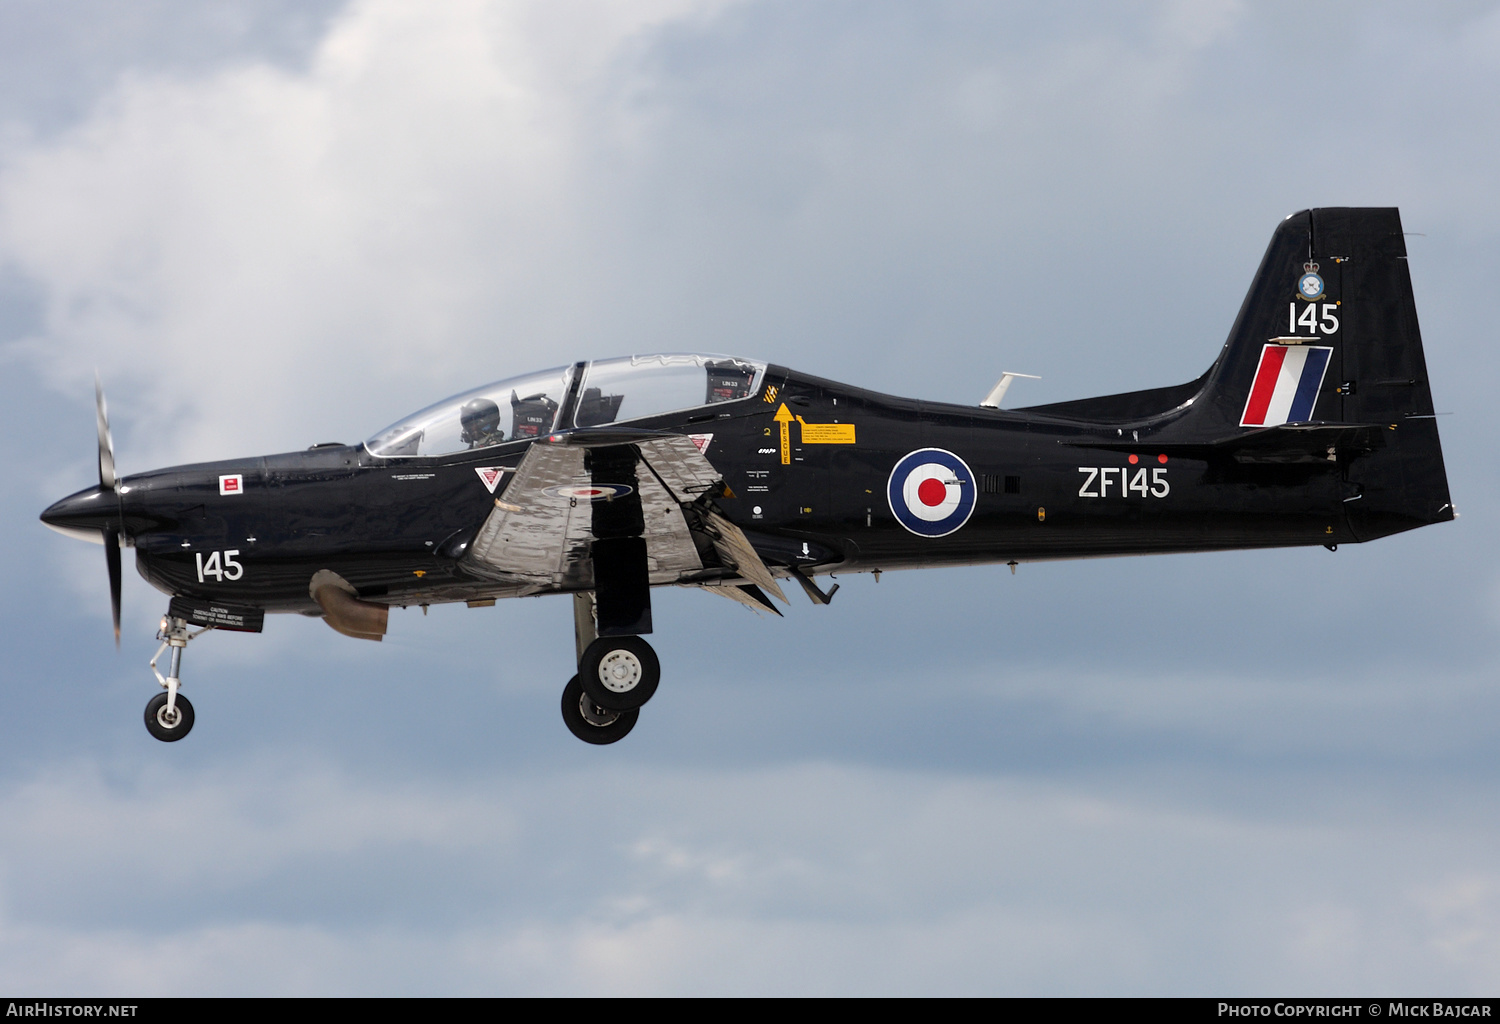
(169,716)
(591,723)
(616,676)
(619,672)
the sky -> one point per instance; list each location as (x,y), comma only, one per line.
(271,224)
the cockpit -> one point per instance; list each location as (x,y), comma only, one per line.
(605,391)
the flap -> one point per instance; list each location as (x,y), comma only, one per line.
(747,594)
(735,549)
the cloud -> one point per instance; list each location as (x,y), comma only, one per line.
(250,251)
(941,784)
(295,878)
(261,255)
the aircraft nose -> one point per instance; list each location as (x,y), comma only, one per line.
(84,514)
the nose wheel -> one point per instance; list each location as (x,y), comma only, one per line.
(169,716)
(169,724)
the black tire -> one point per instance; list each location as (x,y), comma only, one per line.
(619,672)
(156,706)
(577,709)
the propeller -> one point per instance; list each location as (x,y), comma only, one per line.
(108,482)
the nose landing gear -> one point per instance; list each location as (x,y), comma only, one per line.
(169,716)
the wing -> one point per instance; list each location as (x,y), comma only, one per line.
(680,466)
(540,531)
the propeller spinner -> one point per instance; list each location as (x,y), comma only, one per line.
(97,513)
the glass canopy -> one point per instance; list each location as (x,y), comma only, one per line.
(507,410)
(611,391)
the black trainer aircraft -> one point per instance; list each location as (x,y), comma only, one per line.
(603,479)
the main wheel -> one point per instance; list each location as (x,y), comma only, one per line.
(619,672)
(591,723)
(165,727)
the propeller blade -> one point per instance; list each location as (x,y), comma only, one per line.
(106,442)
(107,481)
(112,558)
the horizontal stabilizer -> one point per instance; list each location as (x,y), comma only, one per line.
(1287,443)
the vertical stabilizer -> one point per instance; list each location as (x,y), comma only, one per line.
(1328,334)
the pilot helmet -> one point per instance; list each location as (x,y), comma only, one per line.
(480,419)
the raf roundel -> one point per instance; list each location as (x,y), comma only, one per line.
(931,492)
(589,492)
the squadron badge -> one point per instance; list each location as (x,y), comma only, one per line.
(1309,285)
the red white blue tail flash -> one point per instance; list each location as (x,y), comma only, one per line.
(931,492)
(1286,385)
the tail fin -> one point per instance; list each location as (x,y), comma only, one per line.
(1327,335)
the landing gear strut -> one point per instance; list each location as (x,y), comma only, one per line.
(169,716)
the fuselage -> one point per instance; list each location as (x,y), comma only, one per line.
(807,464)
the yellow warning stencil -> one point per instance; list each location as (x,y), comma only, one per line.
(783,420)
(826,433)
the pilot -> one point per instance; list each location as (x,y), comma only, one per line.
(480,419)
